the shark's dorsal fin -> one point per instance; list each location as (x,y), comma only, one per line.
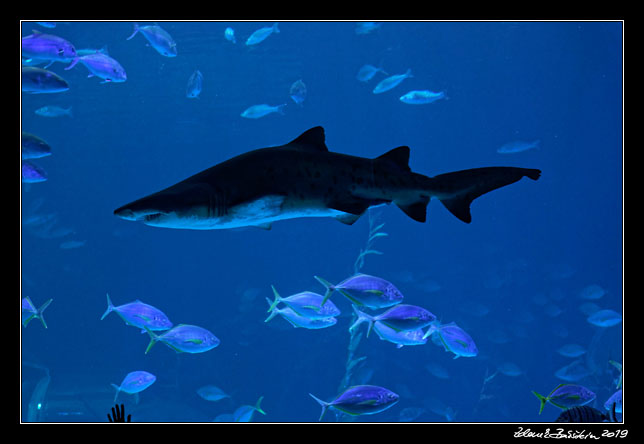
(399,156)
(312,139)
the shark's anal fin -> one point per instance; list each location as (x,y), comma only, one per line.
(462,187)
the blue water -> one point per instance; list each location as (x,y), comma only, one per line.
(511,278)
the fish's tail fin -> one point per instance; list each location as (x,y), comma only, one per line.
(277,300)
(74,62)
(542,399)
(325,406)
(110,307)
(69,112)
(153,339)
(42,308)
(273,311)
(362,317)
(136,29)
(329,288)
(118,389)
(280,108)
(433,328)
(457,190)
(275,28)
(257,407)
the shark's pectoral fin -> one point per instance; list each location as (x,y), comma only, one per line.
(416,210)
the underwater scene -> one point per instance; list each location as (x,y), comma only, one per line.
(321,221)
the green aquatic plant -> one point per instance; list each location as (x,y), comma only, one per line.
(355,362)
(374,233)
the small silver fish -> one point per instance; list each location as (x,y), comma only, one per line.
(229,34)
(195,83)
(518,146)
(54,111)
(159,39)
(262,34)
(257,111)
(367,72)
(391,82)
(421,97)
(298,92)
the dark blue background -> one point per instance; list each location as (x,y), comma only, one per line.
(560,82)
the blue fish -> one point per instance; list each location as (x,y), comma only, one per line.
(298,92)
(134,382)
(605,318)
(212,393)
(307,304)
(367,72)
(262,34)
(245,412)
(391,82)
(592,292)
(297,320)
(421,97)
(33,147)
(364,290)
(32,173)
(140,315)
(36,80)
(573,372)
(400,317)
(185,338)
(518,147)
(39,46)
(159,39)
(195,83)
(454,339)
(399,337)
(257,111)
(360,400)
(103,66)
(30,312)
(54,111)
(571,350)
(229,34)
(566,396)
(363,28)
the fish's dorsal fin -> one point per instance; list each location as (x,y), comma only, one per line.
(312,139)
(399,156)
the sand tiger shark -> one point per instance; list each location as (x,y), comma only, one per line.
(304,179)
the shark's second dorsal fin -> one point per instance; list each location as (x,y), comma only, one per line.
(399,156)
(312,139)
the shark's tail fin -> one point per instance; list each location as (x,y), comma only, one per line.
(457,190)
